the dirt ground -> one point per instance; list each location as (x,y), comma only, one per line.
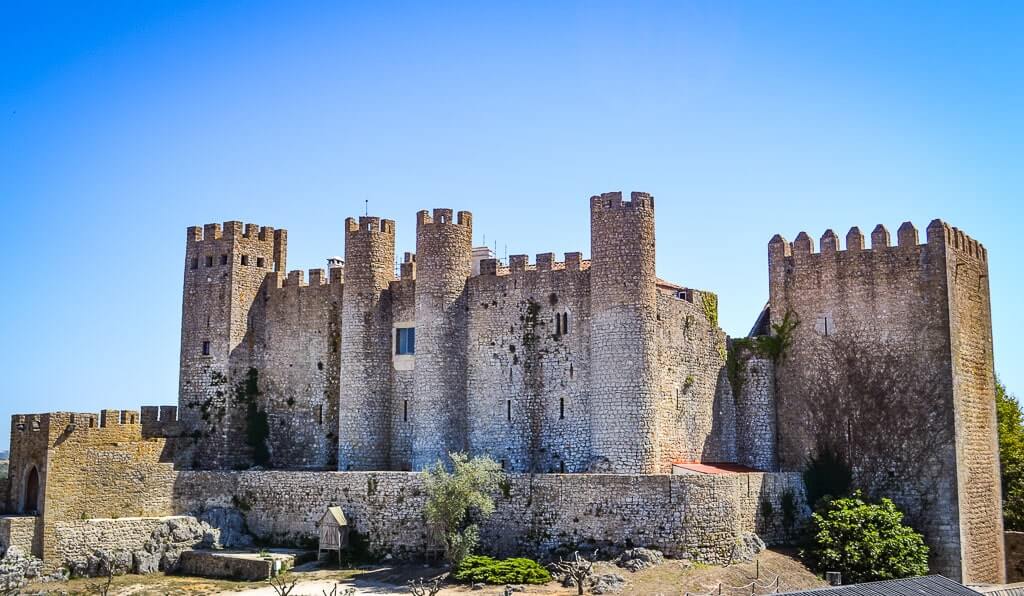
(671,578)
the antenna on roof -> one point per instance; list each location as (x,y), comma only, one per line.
(366,207)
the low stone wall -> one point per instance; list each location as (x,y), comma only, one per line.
(701,516)
(77,540)
(23,532)
(136,544)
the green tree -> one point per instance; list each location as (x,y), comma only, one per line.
(866,542)
(1011,456)
(456,499)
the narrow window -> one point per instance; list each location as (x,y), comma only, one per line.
(561,467)
(561,408)
(195,262)
(321,414)
(558,324)
(209,260)
(502,464)
(245,259)
(572,370)
(508,409)
(405,411)
(223,259)
(565,323)
(405,341)
(206,348)
(260,262)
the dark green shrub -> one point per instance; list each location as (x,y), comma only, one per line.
(865,542)
(487,570)
(827,476)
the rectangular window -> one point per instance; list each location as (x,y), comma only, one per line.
(245,259)
(561,408)
(565,323)
(508,409)
(405,341)
(259,261)
(223,259)
(405,411)
(321,414)
(206,348)
(209,261)
(195,262)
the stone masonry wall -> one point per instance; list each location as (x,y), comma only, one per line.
(403,312)
(225,270)
(77,540)
(528,364)
(298,359)
(365,409)
(894,304)
(978,476)
(755,413)
(696,411)
(702,516)
(623,326)
(444,263)
(23,532)
(105,471)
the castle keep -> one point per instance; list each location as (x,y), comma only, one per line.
(592,381)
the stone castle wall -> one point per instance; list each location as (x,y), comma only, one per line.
(298,358)
(979,483)
(528,383)
(888,308)
(696,410)
(538,515)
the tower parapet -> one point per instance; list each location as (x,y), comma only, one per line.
(444,261)
(364,411)
(623,288)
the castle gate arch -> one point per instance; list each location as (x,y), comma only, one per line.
(30,504)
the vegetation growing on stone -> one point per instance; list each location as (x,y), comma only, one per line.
(257,425)
(866,542)
(487,570)
(710,303)
(457,500)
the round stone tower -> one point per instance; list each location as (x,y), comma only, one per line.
(444,261)
(624,306)
(364,411)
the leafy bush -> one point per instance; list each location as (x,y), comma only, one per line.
(1011,457)
(455,499)
(487,570)
(866,542)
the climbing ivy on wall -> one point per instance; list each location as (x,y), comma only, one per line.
(773,347)
(710,301)
(257,426)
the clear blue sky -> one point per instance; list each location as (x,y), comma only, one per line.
(123,123)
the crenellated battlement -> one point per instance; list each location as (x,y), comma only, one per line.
(907,238)
(231,230)
(443,217)
(612,201)
(369,224)
(112,425)
(573,261)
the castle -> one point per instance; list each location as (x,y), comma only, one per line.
(584,377)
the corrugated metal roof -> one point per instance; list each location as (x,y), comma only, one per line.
(933,585)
